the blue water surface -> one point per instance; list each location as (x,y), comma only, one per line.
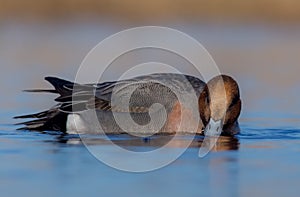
(264,161)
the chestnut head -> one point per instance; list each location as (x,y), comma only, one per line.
(220,106)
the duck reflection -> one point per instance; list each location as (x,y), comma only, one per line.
(133,143)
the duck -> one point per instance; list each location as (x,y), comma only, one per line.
(153,103)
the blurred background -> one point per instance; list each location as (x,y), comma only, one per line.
(255,41)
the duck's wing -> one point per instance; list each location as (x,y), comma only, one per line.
(140,93)
(130,95)
(74,97)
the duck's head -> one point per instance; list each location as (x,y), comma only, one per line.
(220,106)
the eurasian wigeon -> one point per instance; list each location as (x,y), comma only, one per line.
(81,108)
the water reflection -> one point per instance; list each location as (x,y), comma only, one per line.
(133,143)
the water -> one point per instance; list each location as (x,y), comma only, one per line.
(263,162)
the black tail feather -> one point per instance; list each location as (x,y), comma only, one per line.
(51,120)
(33,122)
(41,90)
(63,87)
(36,115)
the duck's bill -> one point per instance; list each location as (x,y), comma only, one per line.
(212,131)
(213,128)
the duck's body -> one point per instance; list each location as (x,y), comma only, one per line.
(78,115)
(94,108)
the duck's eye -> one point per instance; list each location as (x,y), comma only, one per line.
(207,100)
(233,102)
(231,105)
